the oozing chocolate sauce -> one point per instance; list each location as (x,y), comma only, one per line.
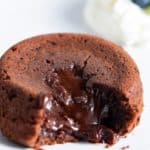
(71,108)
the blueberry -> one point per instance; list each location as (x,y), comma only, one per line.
(142,3)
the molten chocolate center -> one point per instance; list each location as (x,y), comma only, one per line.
(74,109)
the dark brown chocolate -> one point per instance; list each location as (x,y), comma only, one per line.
(61,88)
(76,109)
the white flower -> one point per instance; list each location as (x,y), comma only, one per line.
(120,21)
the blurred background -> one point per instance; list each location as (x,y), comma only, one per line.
(22,19)
(126,22)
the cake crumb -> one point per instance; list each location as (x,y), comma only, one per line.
(125,136)
(108,145)
(125,147)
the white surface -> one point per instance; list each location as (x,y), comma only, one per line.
(20,19)
(121,21)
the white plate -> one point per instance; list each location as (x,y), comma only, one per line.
(22,19)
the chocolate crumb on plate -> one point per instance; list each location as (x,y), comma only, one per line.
(125,147)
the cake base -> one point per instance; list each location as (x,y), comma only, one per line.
(68,87)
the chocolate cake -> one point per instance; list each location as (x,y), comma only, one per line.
(61,88)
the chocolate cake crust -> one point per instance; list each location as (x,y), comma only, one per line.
(60,88)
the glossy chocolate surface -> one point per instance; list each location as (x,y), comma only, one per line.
(74,109)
